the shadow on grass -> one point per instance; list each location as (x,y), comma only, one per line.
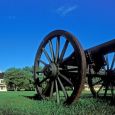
(107,99)
(35,97)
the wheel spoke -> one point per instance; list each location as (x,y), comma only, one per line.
(63,51)
(42,62)
(113,61)
(36,76)
(65,78)
(52,88)
(106,89)
(57,48)
(97,82)
(39,90)
(51,50)
(104,68)
(99,89)
(72,67)
(72,70)
(44,80)
(57,92)
(63,88)
(39,71)
(107,61)
(47,56)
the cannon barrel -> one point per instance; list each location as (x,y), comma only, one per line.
(102,49)
(95,55)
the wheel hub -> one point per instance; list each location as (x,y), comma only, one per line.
(51,70)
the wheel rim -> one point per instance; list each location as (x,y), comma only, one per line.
(60,77)
(102,84)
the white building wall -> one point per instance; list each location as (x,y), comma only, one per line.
(3,86)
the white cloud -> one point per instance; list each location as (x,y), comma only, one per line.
(64,10)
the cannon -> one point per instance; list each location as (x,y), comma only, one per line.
(61,66)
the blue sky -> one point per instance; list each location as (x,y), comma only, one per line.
(24,23)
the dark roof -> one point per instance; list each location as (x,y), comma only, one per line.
(1,75)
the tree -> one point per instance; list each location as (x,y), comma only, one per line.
(29,82)
(17,79)
(12,78)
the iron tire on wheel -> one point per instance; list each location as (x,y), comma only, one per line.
(56,80)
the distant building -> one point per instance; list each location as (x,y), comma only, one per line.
(3,86)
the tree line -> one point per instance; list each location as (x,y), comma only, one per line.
(19,78)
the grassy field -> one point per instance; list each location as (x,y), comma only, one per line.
(17,103)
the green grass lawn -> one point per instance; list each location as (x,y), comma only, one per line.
(17,103)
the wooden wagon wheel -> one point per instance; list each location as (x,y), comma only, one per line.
(59,68)
(102,84)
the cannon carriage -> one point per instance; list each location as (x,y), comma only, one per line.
(61,66)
